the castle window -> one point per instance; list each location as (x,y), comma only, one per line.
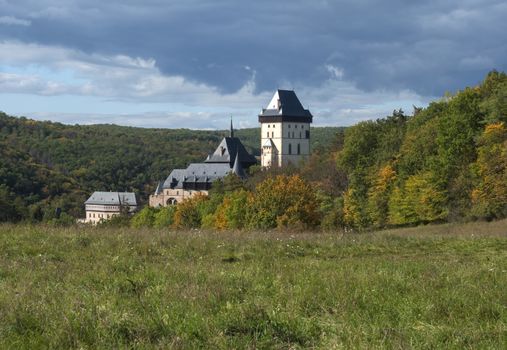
(289,126)
(296,126)
(293,134)
(272,134)
(267,134)
(299,148)
(273,125)
(269,125)
(290,148)
(300,134)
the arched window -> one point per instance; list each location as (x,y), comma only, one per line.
(299,148)
(290,148)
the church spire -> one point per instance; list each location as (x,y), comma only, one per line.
(232,129)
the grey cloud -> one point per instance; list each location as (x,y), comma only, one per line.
(427,47)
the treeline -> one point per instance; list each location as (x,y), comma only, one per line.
(446,162)
(45,166)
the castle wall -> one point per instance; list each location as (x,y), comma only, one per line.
(171,196)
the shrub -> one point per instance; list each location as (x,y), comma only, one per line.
(164,217)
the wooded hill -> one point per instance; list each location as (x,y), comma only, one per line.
(446,162)
(45,165)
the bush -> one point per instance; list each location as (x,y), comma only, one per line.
(164,217)
(144,218)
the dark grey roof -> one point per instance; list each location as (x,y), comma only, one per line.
(112,198)
(289,105)
(237,168)
(197,173)
(227,150)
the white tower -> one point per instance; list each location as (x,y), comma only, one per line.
(285,130)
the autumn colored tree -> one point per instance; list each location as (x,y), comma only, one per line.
(489,197)
(283,202)
(417,200)
(378,196)
(188,213)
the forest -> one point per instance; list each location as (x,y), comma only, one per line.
(443,163)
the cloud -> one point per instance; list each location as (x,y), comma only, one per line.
(391,45)
(13,21)
(120,82)
(348,60)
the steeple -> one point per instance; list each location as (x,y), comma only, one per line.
(232,129)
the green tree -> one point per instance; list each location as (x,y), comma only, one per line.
(144,217)
(164,217)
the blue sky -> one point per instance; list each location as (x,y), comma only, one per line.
(194,63)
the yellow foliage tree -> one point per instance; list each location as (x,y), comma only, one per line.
(187,213)
(378,196)
(419,200)
(489,197)
(284,202)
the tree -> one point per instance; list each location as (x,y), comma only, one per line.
(283,202)
(378,196)
(188,214)
(489,197)
(144,218)
(164,217)
(418,200)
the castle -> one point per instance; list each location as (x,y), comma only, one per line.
(285,138)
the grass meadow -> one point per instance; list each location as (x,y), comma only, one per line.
(100,288)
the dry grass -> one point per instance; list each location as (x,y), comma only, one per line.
(439,286)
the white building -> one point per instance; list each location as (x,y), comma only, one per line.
(105,205)
(285,130)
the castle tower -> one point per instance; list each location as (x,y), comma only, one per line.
(285,130)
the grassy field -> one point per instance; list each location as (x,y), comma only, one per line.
(427,287)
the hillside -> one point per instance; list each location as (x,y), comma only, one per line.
(47,165)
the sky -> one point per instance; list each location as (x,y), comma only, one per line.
(195,63)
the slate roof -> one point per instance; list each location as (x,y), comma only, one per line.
(289,106)
(112,198)
(227,150)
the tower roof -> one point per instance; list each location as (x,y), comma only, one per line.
(285,106)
